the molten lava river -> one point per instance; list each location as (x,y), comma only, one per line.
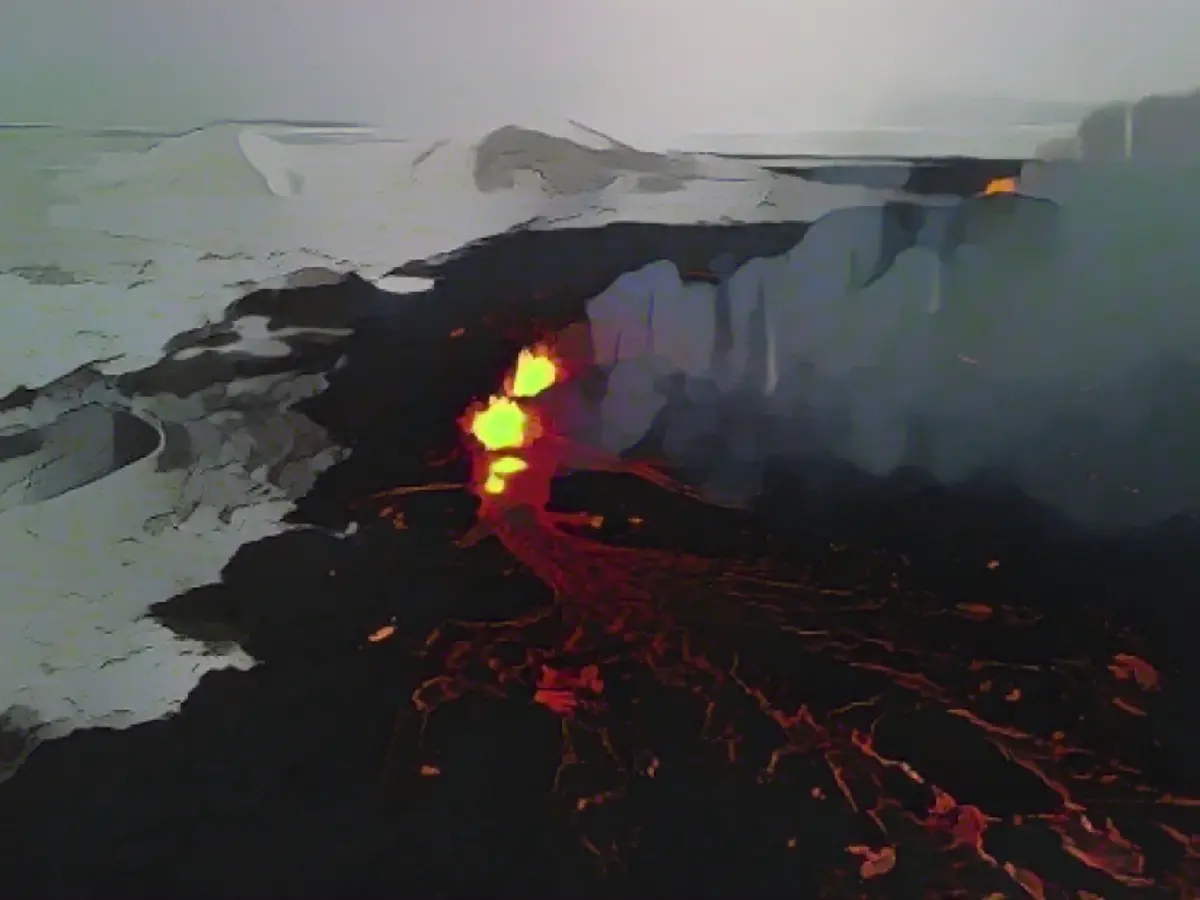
(871,711)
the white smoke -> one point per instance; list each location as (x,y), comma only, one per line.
(1050,348)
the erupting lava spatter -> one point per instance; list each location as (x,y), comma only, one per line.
(863,700)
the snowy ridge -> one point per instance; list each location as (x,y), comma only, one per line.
(117,242)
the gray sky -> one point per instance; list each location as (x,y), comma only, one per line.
(627,66)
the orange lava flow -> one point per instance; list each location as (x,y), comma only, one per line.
(1000,186)
(625,618)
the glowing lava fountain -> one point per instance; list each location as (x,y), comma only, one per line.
(808,688)
(1000,186)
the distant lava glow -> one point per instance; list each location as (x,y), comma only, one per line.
(1000,186)
(859,708)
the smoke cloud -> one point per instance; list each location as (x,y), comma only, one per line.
(1052,343)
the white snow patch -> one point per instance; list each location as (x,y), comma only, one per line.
(403,284)
(82,566)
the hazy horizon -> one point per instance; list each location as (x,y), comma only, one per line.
(632,68)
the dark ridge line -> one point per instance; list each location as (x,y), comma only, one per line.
(948,159)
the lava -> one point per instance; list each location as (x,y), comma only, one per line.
(536,371)
(861,705)
(1000,186)
(506,428)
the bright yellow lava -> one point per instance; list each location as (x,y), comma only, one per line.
(509,465)
(502,426)
(535,372)
(1000,186)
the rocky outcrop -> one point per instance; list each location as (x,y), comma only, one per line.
(566,167)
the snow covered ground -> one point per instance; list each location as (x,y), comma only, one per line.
(120,254)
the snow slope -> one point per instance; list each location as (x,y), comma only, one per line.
(120,257)
(117,493)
